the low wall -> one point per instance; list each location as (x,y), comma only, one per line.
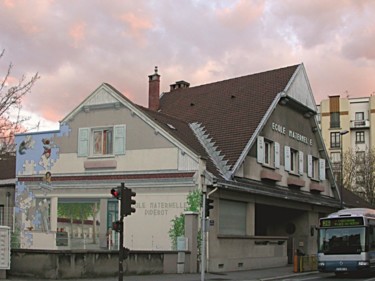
(247,253)
(62,264)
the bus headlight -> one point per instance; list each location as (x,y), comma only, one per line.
(363,263)
(321,264)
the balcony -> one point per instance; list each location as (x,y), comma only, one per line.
(359,124)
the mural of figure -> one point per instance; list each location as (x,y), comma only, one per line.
(27,143)
(44,159)
(47,178)
(44,210)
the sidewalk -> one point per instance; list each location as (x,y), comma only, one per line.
(252,275)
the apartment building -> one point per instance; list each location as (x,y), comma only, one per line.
(346,124)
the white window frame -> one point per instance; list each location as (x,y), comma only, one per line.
(98,148)
(316,168)
(293,161)
(268,152)
(86,141)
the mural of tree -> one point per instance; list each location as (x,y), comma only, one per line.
(79,211)
(177,229)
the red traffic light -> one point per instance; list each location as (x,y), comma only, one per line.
(115,193)
(117,226)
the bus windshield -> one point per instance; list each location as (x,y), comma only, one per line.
(348,240)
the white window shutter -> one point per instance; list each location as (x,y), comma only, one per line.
(83,142)
(119,139)
(322,169)
(277,154)
(260,149)
(287,164)
(309,166)
(300,162)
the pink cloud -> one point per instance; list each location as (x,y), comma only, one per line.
(135,25)
(241,14)
(77,33)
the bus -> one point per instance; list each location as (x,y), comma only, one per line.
(346,241)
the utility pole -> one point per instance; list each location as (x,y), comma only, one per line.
(203,244)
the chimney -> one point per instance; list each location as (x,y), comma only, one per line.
(179,85)
(153,90)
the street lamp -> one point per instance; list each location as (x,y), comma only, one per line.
(341,166)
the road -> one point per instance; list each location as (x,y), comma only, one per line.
(328,277)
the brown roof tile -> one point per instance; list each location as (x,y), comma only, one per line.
(229,110)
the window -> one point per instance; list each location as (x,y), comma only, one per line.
(359,116)
(316,168)
(335,157)
(360,157)
(335,140)
(232,217)
(101,141)
(293,160)
(335,119)
(268,152)
(360,137)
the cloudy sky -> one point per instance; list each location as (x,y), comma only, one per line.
(77,45)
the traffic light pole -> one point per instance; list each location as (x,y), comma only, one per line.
(127,207)
(203,244)
(121,254)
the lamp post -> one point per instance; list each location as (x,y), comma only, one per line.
(342,170)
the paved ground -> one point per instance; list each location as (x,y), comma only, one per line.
(252,275)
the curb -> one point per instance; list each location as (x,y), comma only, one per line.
(288,276)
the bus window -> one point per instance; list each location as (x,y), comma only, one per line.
(342,241)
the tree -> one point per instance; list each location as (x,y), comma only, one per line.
(359,173)
(177,229)
(11,119)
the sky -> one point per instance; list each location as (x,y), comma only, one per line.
(76,45)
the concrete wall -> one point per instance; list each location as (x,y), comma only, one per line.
(44,264)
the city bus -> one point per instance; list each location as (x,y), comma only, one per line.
(346,241)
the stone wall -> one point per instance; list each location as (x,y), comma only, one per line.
(63,264)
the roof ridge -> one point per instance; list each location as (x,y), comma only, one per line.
(233,78)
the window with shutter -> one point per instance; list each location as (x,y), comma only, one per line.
(309,166)
(83,142)
(300,162)
(260,149)
(101,141)
(287,164)
(322,169)
(120,136)
(277,154)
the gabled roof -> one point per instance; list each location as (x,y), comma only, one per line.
(227,115)
(108,96)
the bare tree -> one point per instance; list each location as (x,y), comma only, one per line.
(359,173)
(11,119)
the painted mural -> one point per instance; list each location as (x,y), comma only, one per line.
(36,155)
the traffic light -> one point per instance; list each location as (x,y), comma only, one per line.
(125,253)
(118,226)
(209,206)
(127,202)
(116,193)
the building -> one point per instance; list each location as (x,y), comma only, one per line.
(346,126)
(7,188)
(252,143)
